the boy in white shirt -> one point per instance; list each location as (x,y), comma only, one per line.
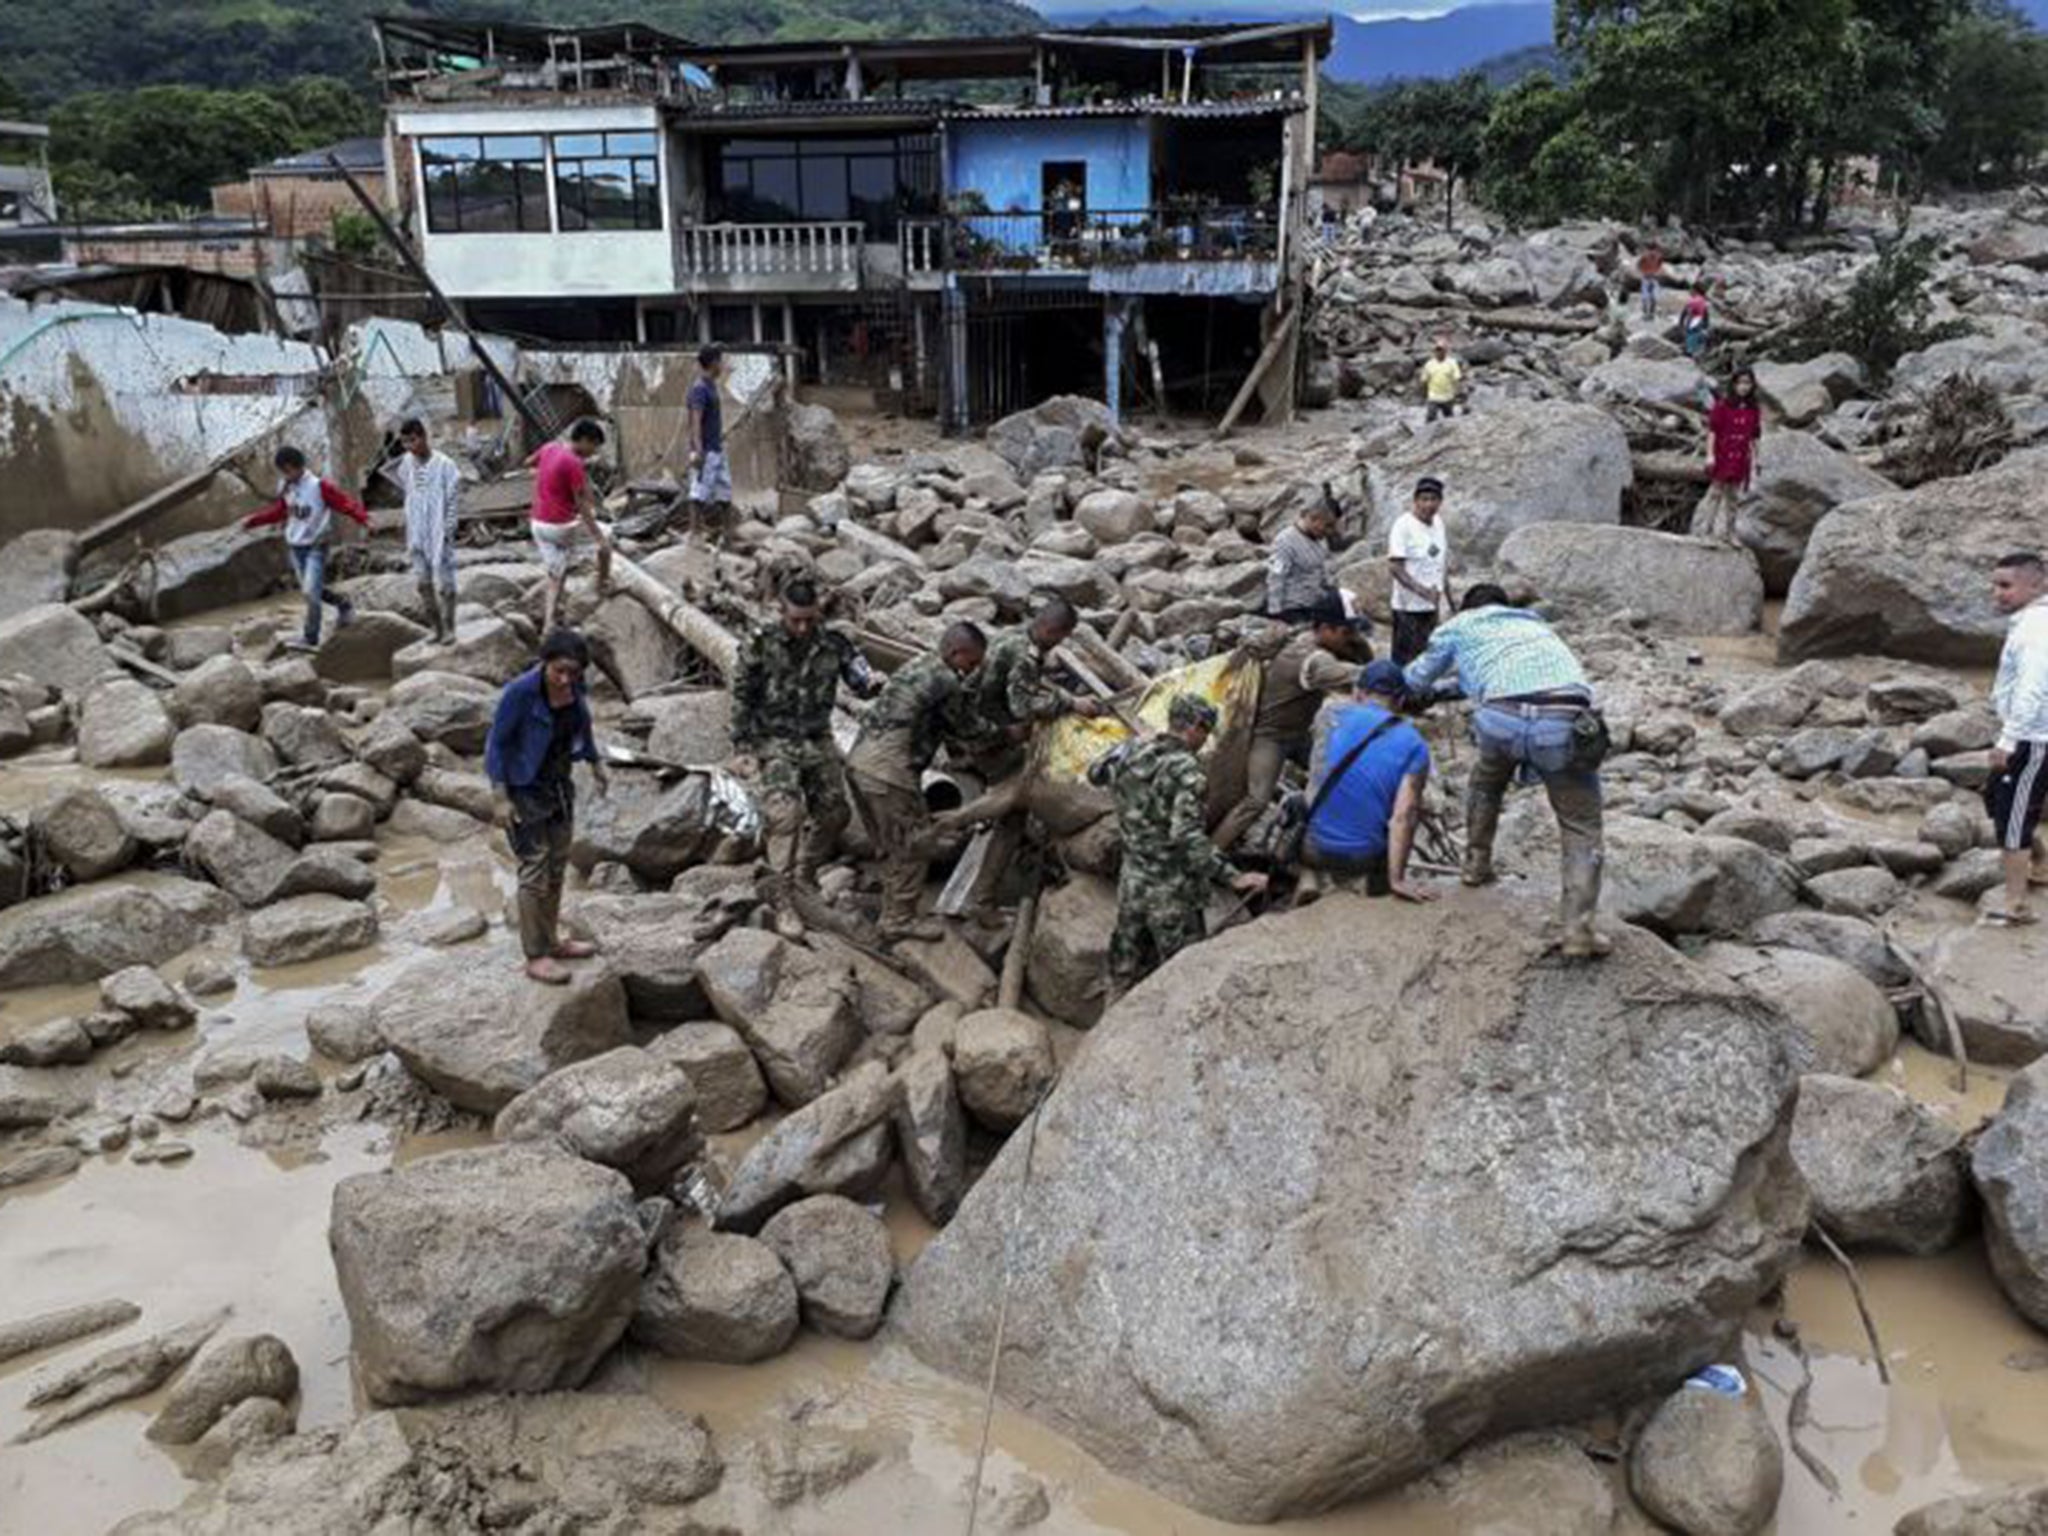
(1419,554)
(433,487)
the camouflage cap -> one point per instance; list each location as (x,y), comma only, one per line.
(1189,710)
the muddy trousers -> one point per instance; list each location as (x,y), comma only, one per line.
(434,574)
(803,806)
(1538,748)
(1268,756)
(1714,517)
(543,826)
(900,826)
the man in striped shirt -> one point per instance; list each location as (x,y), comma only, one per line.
(2018,787)
(1533,702)
(432,486)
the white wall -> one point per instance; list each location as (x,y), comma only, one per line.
(533,265)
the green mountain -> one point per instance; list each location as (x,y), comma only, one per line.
(57,50)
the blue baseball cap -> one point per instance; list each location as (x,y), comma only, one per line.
(1383,677)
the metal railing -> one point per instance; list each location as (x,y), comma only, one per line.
(772,250)
(1096,237)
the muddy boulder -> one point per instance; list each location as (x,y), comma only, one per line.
(626,1109)
(217,569)
(301,929)
(2010,1167)
(204,755)
(475,1030)
(56,645)
(1708,1464)
(232,1371)
(84,835)
(81,934)
(715,1296)
(1798,481)
(1067,967)
(722,1072)
(795,1010)
(506,1269)
(1990,978)
(1884,1170)
(931,1132)
(1003,1062)
(1835,1018)
(817,454)
(1265,1208)
(838,1144)
(1900,574)
(2002,1512)
(838,1254)
(1545,461)
(123,724)
(219,691)
(1686,586)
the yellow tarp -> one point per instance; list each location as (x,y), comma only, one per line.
(1068,745)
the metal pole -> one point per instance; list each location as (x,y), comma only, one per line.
(418,269)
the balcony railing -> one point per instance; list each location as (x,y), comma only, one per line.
(772,250)
(1095,237)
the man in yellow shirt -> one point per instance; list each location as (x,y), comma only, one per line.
(1441,378)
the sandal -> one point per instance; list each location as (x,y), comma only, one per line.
(574,949)
(2023,917)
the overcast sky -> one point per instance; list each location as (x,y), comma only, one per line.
(1364,10)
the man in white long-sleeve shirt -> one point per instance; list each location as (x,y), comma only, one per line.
(2019,763)
(432,486)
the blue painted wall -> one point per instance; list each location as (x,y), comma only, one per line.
(1004,161)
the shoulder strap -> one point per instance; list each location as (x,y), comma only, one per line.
(1344,764)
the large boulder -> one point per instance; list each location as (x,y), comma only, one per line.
(1904,575)
(2002,1512)
(838,1254)
(722,1072)
(485,647)
(626,1109)
(931,1133)
(656,830)
(1836,1020)
(796,1010)
(36,569)
(1884,1170)
(362,652)
(82,934)
(216,569)
(816,457)
(1003,1063)
(309,927)
(634,648)
(1062,432)
(1671,881)
(54,644)
(202,756)
(1990,980)
(123,724)
(475,1030)
(1536,462)
(2010,1167)
(444,707)
(1657,382)
(221,690)
(691,728)
(1683,585)
(1798,480)
(1266,1209)
(505,1269)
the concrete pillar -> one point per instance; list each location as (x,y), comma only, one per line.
(789,369)
(917,343)
(1113,358)
(760,329)
(703,321)
(953,386)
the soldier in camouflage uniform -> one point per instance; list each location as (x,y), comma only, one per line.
(782,695)
(1169,863)
(1013,696)
(929,701)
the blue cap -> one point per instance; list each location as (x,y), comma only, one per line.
(1383,676)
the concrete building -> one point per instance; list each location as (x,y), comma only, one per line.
(297,197)
(26,197)
(964,225)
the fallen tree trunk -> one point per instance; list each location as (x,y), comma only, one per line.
(1539,321)
(689,623)
(1670,468)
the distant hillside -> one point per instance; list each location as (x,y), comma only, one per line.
(54,50)
(1369,52)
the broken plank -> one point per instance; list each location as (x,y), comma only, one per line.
(1275,345)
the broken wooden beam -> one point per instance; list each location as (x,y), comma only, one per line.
(1275,345)
(1670,468)
(689,623)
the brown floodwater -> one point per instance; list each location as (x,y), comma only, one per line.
(1967,1406)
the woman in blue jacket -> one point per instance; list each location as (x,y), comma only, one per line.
(541,729)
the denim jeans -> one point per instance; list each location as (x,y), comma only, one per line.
(309,563)
(1649,296)
(1538,746)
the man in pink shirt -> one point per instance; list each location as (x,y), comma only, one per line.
(565,512)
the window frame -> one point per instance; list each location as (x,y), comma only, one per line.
(647,211)
(435,202)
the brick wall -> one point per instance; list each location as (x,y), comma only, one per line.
(295,207)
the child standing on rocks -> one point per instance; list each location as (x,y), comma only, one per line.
(306,504)
(1734,423)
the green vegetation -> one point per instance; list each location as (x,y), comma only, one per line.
(1729,112)
(1882,315)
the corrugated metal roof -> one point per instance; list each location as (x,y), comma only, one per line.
(366,154)
(1134,109)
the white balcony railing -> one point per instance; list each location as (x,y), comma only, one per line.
(921,244)
(772,250)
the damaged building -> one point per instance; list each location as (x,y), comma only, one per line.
(958,226)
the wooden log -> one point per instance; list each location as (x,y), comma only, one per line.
(1010,988)
(1670,468)
(1109,664)
(62,1327)
(1276,344)
(878,546)
(689,623)
(1542,322)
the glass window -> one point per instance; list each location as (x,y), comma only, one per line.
(824,186)
(493,184)
(774,192)
(869,180)
(607,181)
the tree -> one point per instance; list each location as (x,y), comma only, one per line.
(1438,122)
(1993,100)
(1546,161)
